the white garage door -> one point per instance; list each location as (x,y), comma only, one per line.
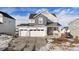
(24,33)
(37,33)
(32,32)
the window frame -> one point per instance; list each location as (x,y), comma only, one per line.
(40,20)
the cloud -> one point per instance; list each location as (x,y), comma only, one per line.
(66,10)
(57,10)
(18,17)
(31,10)
(8,10)
(65,18)
(21,19)
(65,15)
(42,10)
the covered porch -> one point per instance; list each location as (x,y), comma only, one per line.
(51,27)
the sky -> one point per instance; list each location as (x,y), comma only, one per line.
(64,14)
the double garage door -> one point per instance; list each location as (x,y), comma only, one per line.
(33,33)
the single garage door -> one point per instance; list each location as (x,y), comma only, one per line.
(37,33)
(24,33)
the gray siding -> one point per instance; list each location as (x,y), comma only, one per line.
(8,26)
(74,27)
(44,20)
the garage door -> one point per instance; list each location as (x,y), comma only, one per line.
(33,32)
(24,33)
(37,33)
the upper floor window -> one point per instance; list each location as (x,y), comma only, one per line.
(40,20)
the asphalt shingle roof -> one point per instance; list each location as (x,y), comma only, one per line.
(6,15)
(32,15)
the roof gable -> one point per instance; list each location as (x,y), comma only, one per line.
(35,15)
(6,15)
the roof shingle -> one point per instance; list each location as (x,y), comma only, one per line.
(32,15)
(6,15)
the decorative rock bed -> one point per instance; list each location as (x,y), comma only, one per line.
(61,45)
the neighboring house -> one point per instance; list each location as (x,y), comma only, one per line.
(39,25)
(7,24)
(74,27)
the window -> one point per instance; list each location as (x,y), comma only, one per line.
(40,20)
(55,28)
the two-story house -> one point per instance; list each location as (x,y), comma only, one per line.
(7,24)
(39,25)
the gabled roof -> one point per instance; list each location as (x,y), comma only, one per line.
(6,15)
(32,15)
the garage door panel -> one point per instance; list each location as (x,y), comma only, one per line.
(24,33)
(37,33)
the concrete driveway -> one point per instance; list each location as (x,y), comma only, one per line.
(26,44)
